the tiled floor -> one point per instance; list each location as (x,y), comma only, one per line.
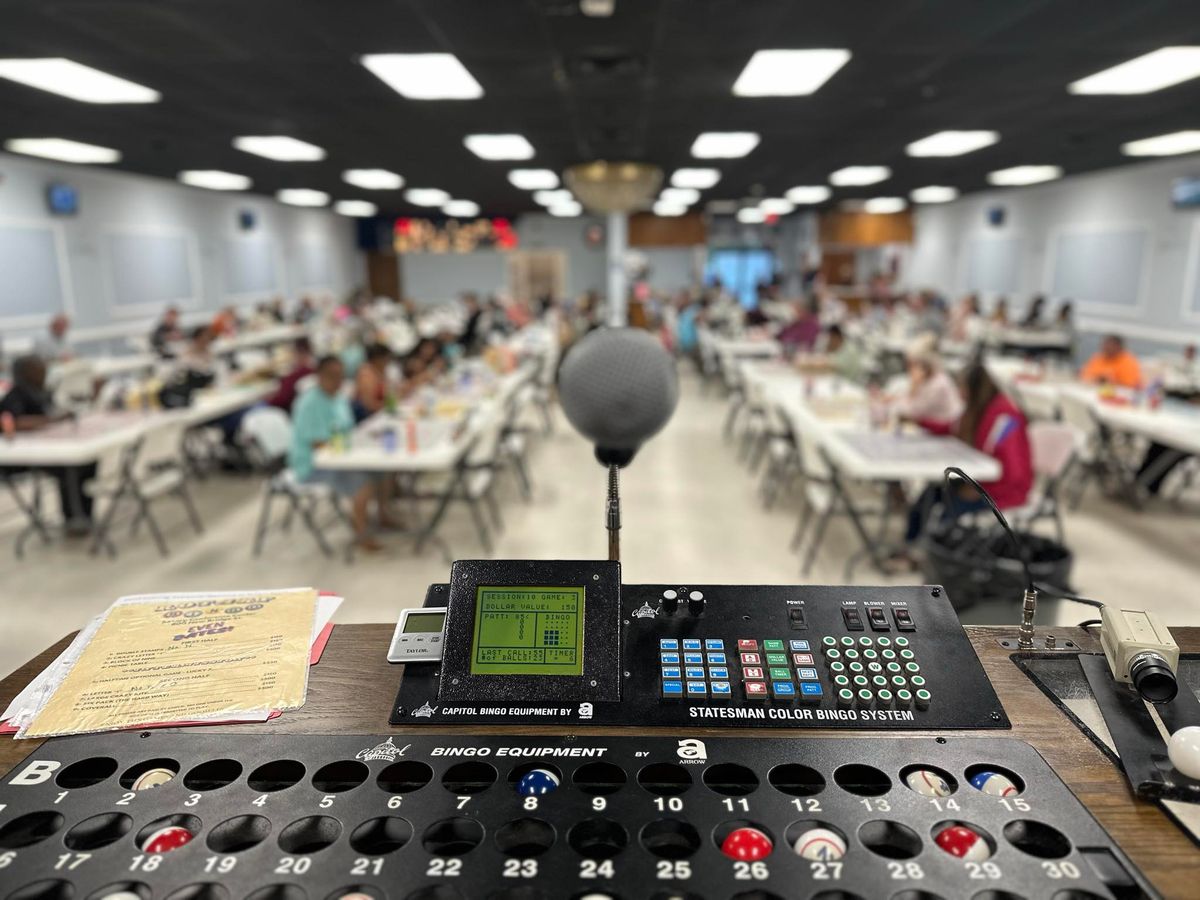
(690,515)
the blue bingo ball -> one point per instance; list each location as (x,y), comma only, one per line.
(536,782)
(993,783)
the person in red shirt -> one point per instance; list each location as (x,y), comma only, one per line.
(303,365)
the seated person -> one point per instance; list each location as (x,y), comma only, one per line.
(371,385)
(965,324)
(55,347)
(424,364)
(304,364)
(801,333)
(1033,317)
(320,414)
(225,323)
(990,423)
(197,364)
(166,333)
(842,357)
(30,406)
(305,312)
(933,400)
(1159,461)
(1112,364)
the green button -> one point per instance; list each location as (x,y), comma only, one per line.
(907,654)
(893,667)
(885,696)
(847,641)
(851,654)
(829,640)
(898,681)
(879,681)
(772,645)
(837,667)
(870,654)
(865,641)
(901,641)
(832,655)
(917,681)
(924,695)
(841,680)
(865,696)
(912,667)
(861,681)
(856,667)
(888,654)
(781,674)
(846,694)
(903,696)
(777,659)
(883,641)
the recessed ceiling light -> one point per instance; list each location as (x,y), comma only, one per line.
(76,81)
(424,76)
(373,179)
(804,194)
(426,196)
(550,198)
(215,180)
(724,144)
(883,205)
(701,179)
(566,210)
(666,208)
(1019,175)
(63,150)
(1164,145)
(1152,71)
(499,146)
(533,179)
(359,209)
(279,148)
(934,193)
(751,215)
(302,197)
(679,196)
(788,73)
(462,209)
(856,176)
(776,206)
(952,143)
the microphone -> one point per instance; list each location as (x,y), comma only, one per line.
(618,388)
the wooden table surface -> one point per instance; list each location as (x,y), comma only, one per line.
(352,688)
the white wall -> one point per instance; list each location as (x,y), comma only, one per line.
(1156,303)
(307,245)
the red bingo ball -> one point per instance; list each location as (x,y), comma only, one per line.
(746,845)
(167,839)
(963,842)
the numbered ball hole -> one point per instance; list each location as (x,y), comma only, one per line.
(86,773)
(404,777)
(1009,895)
(599,779)
(523,892)
(469,778)
(816,841)
(238,834)
(279,892)
(743,840)
(339,777)
(866,781)
(964,840)
(534,779)
(596,895)
(756,894)
(890,839)
(309,835)
(48,889)
(213,775)
(730,779)
(381,836)
(525,838)
(149,774)
(452,837)
(675,895)
(836,895)
(125,890)
(1037,839)
(665,779)
(796,780)
(598,838)
(435,892)
(277,775)
(358,892)
(928,781)
(29,829)
(1075,894)
(168,833)
(995,780)
(670,839)
(917,895)
(98,831)
(207,891)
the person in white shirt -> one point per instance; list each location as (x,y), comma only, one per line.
(933,399)
(55,347)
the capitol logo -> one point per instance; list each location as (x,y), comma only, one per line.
(425,712)
(385,751)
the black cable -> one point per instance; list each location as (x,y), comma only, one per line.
(1062,595)
(1086,623)
(987,498)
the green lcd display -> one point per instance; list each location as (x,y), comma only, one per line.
(528,631)
(424,623)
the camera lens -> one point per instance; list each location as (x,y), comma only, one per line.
(1152,678)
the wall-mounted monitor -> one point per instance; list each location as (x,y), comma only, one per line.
(1185,192)
(62,199)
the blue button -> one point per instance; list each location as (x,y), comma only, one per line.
(714,644)
(689,672)
(716,659)
(783,689)
(799,646)
(720,688)
(697,687)
(671,672)
(693,659)
(669,659)
(718,672)
(691,644)
(810,688)
(672,688)
(806,674)
(668,644)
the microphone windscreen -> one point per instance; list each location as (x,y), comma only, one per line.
(618,387)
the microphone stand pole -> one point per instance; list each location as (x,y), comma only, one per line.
(613,512)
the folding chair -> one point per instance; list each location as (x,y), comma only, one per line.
(782,452)
(28,506)
(514,442)
(1053,446)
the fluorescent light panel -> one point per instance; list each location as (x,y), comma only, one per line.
(280,148)
(426,196)
(215,180)
(700,179)
(63,150)
(788,73)
(1144,74)
(359,209)
(424,76)
(1019,175)
(952,143)
(751,215)
(679,196)
(566,210)
(666,208)
(551,198)
(934,193)
(373,179)
(776,206)
(533,179)
(884,205)
(76,81)
(724,144)
(462,209)
(499,146)
(807,194)
(302,197)
(1164,144)
(856,176)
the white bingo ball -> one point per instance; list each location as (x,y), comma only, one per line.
(820,844)
(995,784)
(927,783)
(1184,751)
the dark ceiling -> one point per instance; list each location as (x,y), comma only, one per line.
(639,85)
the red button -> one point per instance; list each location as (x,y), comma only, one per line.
(756,690)
(746,644)
(802,659)
(751,659)
(752,672)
